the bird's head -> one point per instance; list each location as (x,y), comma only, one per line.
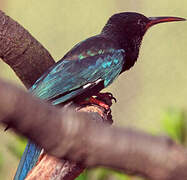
(128,29)
(132,24)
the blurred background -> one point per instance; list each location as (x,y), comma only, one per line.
(151,96)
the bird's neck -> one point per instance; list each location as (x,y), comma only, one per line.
(130,44)
(132,47)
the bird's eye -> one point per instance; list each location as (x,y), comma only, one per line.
(139,21)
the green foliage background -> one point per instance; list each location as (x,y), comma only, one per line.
(157,81)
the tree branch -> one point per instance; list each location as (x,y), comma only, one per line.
(24,54)
(74,137)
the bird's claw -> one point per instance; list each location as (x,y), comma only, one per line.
(111,96)
(106,97)
(6,128)
(93,100)
(102,99)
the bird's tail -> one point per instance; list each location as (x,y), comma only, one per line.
(28,161)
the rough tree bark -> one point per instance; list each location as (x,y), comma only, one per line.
(22,52)
(71,135)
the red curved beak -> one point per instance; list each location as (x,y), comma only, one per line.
(157,20)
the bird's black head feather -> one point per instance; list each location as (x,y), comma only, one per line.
(127,25)
(128,29)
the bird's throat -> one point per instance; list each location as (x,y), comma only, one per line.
(131,48)
(125,41)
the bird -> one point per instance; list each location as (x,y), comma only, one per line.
(91,66)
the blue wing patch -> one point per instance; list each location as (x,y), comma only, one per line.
(70,76)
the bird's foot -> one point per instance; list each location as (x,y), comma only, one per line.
(99,102)
(103,100)
(94,100)
(107,98)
